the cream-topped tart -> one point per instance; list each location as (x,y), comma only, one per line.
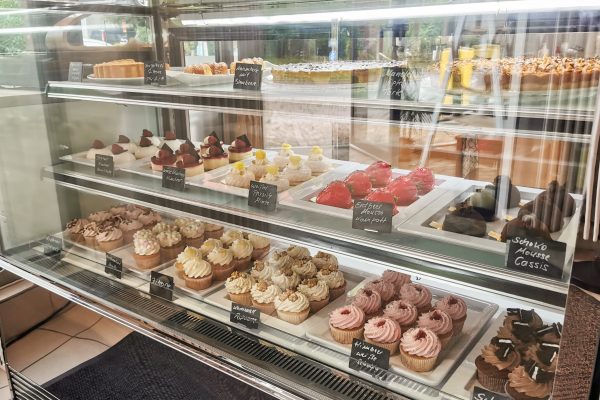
(272,177)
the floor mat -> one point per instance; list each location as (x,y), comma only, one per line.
(140,368)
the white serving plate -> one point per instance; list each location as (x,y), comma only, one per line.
(80,158)
(186,291)
(137,80)
(144,167)
(198,80)
(220,299)
(478,314)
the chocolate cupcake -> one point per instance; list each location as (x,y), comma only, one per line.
(529,382)
(496,361)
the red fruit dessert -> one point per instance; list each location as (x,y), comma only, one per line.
(240,148)
(379,173)
(383,196)
(192,163)
(210,140)
(336,194)
(358,183)
(404,190)
(165,157)
(423,179)
(215,157)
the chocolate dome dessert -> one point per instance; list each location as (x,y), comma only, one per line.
(465,220)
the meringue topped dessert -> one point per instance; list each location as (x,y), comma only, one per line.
(239,176)
(297,172)
(171,140)
(317,162)
(156,141)
(210,140)
(98,147)
(127,144)
(259,165)
(282,159)
(145,148)
(240,148)
(272,178)
(120,155)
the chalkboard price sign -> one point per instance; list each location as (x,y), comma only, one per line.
(262,195)
(372,216)
(114,265)
(53,245)
(161,285)
(104,165)
(75,72)
(155,73)
(368,357)
(173,178)
(537,256)
(247,316)
(482,394)
(247,76)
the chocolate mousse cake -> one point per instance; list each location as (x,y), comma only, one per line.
(465,220)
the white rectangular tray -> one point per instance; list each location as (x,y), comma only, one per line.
(144,167)
(478,314)
(82,249)
(80,158)
(186,291)
(220,299)
(126,255)
(198,80)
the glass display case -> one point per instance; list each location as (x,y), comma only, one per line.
(282,188)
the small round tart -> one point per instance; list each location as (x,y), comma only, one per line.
(317,162)
(296,171)
(258,166)
(239,176)
(282,159)
(240,149)
(272,177)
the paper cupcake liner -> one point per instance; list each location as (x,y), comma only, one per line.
(194,242)
(416,363)
(111,244)
(445,339)
(220,273)
(457,325)
(337,292)
(77,237)
(198,283)
(346,336)
(242,264)
(316,305)
(257,254)
(90,241)
(268,308)
(293,317)
(170,253)
(241,298)
(147,261)
(493,383)
(214,234)
(391,347)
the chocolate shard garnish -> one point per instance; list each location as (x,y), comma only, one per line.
(544,329)
(526,315)
(558,328)
(145,142)
(538,374)
(97,144)
(522,331)
(501,341)
(123,139)
(245,139)
(513,311)
(547,354)
(167,148)
(503,351)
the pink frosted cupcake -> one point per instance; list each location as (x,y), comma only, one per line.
(403,312)
(383,332)
(385,289)
(419,349)
(369,301)
(439,322)
(398,279)
(456,308)
(418,295)
(346,324)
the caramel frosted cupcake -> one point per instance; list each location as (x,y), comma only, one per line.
(285,279)
(146,249)
(75,229)
(398,279)
(316,291)
(292,307)
(263,295)
(171,244)
(305,268)
(298,252)
(419,349)
(418,295)
(238,287)
(385,289)
(188,253)
(99,216)
(242,253)
(544,354)
(261,271)
(90,231)
(403,312)
(346,323)
(222,263)
(279,259)
(181,222)
(439,322)
(197,273)
(193,233)
(213,231)
(261,246)
(109,238)
(129,227)
(133,211)
(369,301)
(209,245)
(322,259)
(335,280)
(383,332)
(120,209)
(497,359)
(523,386)
(164,227)
(230,236)
(149,218)
(456,308)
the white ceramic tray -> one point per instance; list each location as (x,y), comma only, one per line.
(198,80)
(478,314)
(80,158)
(220,299)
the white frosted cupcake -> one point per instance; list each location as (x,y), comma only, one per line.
(242,253)
(263,271)
(261,246)
(221,261)
(209,245)
(197,273)
(263,295)
(193,233)
(239,176)
(322,259)
(238,287)
(279,259)
(292,307)
(316,291)
(335,280)
(282,159)
(258,166)
(317,162)
(298,252)
(304,267)
(230,236)
(164,227)
(213,230)
(285,279)
(272,177)
(296,171)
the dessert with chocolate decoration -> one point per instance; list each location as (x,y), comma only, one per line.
(98,147)
(171,140)
(465,220)
(215,157)
(120,155)
(525,226)
(156,141)
(495,362)
(145,148)
(165,156)
(530,382)
(551,206)
(488,201)
(189,159)
(211,140)
(126,143)
(240,148)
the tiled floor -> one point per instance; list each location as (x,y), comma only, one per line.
(70,338)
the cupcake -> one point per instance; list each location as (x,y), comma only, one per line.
(90,231)
(259,165)
(292,307)
(209,245)
(263,295)
(296,172)
(282,159)
(322,259)
(298,252)
(126,143)
(238,287)
(403,312)
(193,233)
(398,279)
(530,317)
(317,162)
(383,332)
(213,231)
(529,382)
(544,354)
(418,295)
(385,289)
(129,227)
(261,271)
(222,263)
(75,228)
(439,323)
(456,308)
(305,268)
(260,244)
(242,253)
(185,255)
(109,238)
(419,349)
(550,333)
(146,250)
(119,209)
(229,236)
(99,216)
(149,218)
(145,149)
(133,211)
(171,244)
(197,273)
(369,301)
(335,280)
(164,227)
(316,291)
(497,359)
(181,222)
(346,323)
(279,259)
(98,147)
(285,278)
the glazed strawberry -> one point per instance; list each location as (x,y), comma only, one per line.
(404,190)
(423,179)
(358,183)
(383,196)
(336,194)
(379,173)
